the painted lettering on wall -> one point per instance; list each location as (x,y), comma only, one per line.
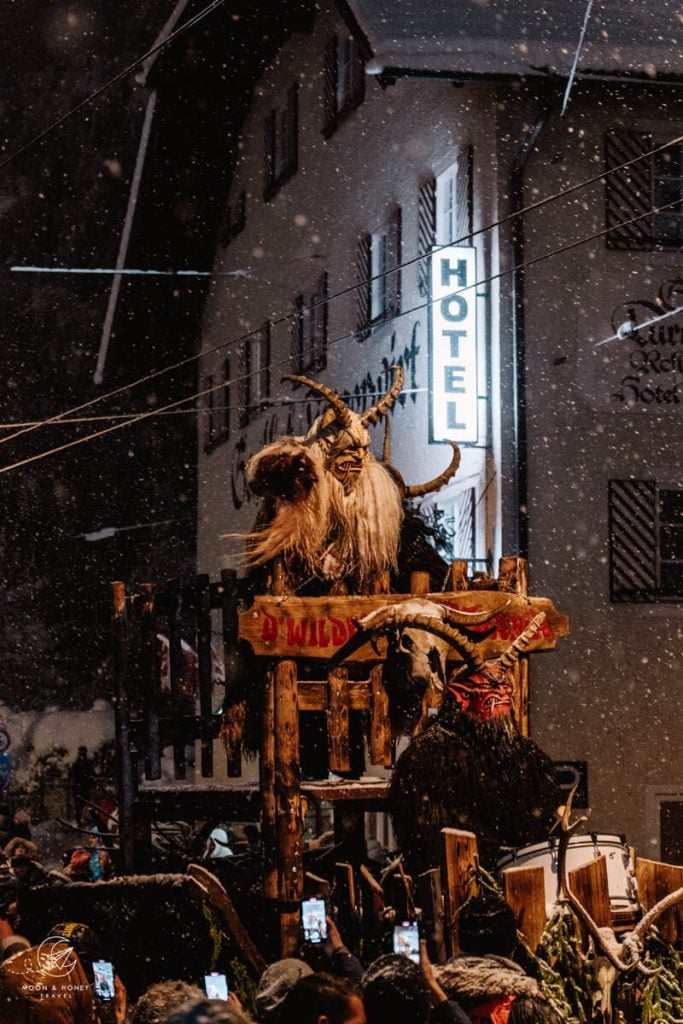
(651,356)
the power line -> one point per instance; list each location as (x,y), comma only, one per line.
(284,362)
(113,81)
(283,318)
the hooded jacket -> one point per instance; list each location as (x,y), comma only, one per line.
(485,986)
(45,984)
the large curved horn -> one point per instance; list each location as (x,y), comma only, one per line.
(382,407)
(418,490)
(455,617)
(517,648)
(344,414)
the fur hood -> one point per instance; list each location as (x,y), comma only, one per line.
(476,979)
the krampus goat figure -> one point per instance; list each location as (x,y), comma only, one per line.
(470,768)
(332,511)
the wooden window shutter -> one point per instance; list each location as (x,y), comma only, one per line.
(393,288)
(330,87)
(293,128)
(358,73)
(426,231)
(264,369)
(297,335)
(464,197)
(269,154)
(320,353)
(225,393)
(633,540)
(244,384)
(210,398)
(628,193)
(363,288)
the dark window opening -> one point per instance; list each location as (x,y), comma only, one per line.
(281,144)
(254,376)
(646,542)
(309,329)
(235,218)
(344,81)
(633,193)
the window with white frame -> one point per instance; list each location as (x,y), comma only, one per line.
(254,378)
(378,269)
(454,201)
(344,81)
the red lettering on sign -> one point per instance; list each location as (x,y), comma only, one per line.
(269,631)
(296,632)
(323,637)
(338,632)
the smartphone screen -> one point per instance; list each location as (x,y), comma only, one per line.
(313,916)
(407,940)
(103,973)
(216,986)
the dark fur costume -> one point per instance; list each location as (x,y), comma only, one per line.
(480,776)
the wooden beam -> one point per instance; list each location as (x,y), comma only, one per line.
(524,890)
(338,721)
(289,826)
(316,627)
(219,898)
(459,859)
(380,726)
(429,896)
(267,786)
(513,578)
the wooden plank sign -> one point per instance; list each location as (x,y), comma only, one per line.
(524,890)
(589,885)
(655,880)
(316,627)
(460,857)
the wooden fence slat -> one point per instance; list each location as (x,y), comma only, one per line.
(459,858)
(524,890)
(589,884)
(125,775)
(267,787)
(151,682)
(229,603)
(380,726)
(513,578)
(429,896)
(203,612)
(287,791)
(220,899)
(338,721)
(655,880)
(175,659)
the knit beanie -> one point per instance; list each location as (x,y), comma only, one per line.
(275,984)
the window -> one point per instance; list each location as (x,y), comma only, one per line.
(646,542)
(254,376)
(344,81)
(309,329)
(217,403)
(445,211)
(454,201)
(235,218)
(632,193)
(281,144)
(378,295)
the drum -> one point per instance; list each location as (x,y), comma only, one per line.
(621,880)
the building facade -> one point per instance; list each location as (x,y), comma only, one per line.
(348,176)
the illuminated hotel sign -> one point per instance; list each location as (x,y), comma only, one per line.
(453,345)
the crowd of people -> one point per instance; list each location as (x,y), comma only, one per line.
(59,980)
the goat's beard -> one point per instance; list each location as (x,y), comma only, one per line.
(330,534)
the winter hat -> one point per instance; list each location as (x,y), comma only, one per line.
(83,939)
(16,841)
(473,980)
(275,984)
(394,989)
(12,944)
(487,925)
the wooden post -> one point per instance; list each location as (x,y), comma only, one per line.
(380,726)
(655,880)
(419,583)
(458,580)
(524,890)
(429,896)
(203,612)
(513,578)
(459,860)
(125,775)
(289,825)
(151,683)
(267,786)
(338,720)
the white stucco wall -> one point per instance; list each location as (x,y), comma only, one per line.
(344,187)
(610,693)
